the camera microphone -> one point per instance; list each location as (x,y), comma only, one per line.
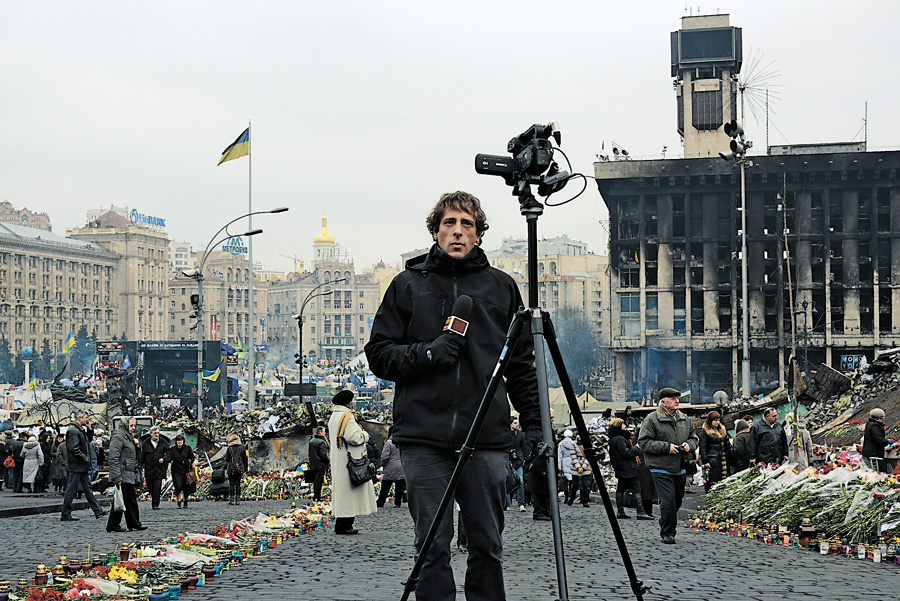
(554,129)
(457,322)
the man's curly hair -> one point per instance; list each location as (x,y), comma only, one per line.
(458,201)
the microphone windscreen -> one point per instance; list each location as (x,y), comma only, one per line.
(462,308)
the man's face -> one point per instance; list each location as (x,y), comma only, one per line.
(456,233)
(771,417)
(154,434)
(81,420)
(670,403)
(514,425)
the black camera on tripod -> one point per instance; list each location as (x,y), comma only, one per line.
(531,161)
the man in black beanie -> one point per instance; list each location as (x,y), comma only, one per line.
(441,368)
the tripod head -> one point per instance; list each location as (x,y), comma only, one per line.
(531,162)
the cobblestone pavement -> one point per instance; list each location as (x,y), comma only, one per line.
(371,565)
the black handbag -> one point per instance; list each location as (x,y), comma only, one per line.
(512,478)
(688,464)
(361,470)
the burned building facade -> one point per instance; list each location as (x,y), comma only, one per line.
(823,265)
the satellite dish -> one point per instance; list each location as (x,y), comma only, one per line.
(720,397)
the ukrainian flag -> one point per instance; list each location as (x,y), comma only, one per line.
(69,343)
(685,392)
(207,375)
(239,148)
(33,383)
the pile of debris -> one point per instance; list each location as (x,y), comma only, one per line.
(873,384)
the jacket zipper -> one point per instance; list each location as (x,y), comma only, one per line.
(456,386)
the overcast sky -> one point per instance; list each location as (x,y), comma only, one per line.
(370,110)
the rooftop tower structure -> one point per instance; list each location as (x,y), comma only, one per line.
(706,59)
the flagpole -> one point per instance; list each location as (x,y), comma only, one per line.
(251,378)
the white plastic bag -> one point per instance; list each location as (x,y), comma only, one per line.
(118,500)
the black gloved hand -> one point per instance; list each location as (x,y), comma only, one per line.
(445,349)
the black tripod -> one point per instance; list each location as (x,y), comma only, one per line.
(541,330)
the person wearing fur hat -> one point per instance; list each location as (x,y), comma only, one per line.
(740,457)
(874,440)
(347,439)
(714,449)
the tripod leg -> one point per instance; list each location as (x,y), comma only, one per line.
(540,362)
(590,452)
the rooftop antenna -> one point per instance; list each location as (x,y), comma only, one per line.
(756,88)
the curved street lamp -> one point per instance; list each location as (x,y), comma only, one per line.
(197,274)
(299,317)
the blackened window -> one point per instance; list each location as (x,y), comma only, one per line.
(707,110)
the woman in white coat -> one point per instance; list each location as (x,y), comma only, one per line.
(347,501)
(34,459)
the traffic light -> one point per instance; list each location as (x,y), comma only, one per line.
(195,310)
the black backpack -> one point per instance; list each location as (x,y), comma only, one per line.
(235,461)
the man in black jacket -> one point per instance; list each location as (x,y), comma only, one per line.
(874,440)
(768,442)
(517,461)
(79,460)
(154,460)
(318,461)
(441,376)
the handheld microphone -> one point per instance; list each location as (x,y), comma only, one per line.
(457,322)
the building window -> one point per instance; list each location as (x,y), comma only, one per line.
(630,277)
(630,305)
(707,110)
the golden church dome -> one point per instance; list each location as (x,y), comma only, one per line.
(324,237)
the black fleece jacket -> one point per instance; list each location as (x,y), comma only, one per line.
(436,406)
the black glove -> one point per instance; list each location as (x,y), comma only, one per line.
(444,349)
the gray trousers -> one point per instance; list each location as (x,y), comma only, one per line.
(481,495)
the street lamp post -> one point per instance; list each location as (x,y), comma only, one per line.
(739,147)
(299,317)
(197,274)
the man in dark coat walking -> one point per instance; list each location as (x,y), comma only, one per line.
(154,460)
(79,462)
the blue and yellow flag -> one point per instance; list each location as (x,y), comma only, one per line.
(685,392)
(212,375)
(69,343)
(33,383)
(239,148)
(127,363)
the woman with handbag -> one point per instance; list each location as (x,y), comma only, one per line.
(623,456)
(237,463)
(348,441)
(181,458)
